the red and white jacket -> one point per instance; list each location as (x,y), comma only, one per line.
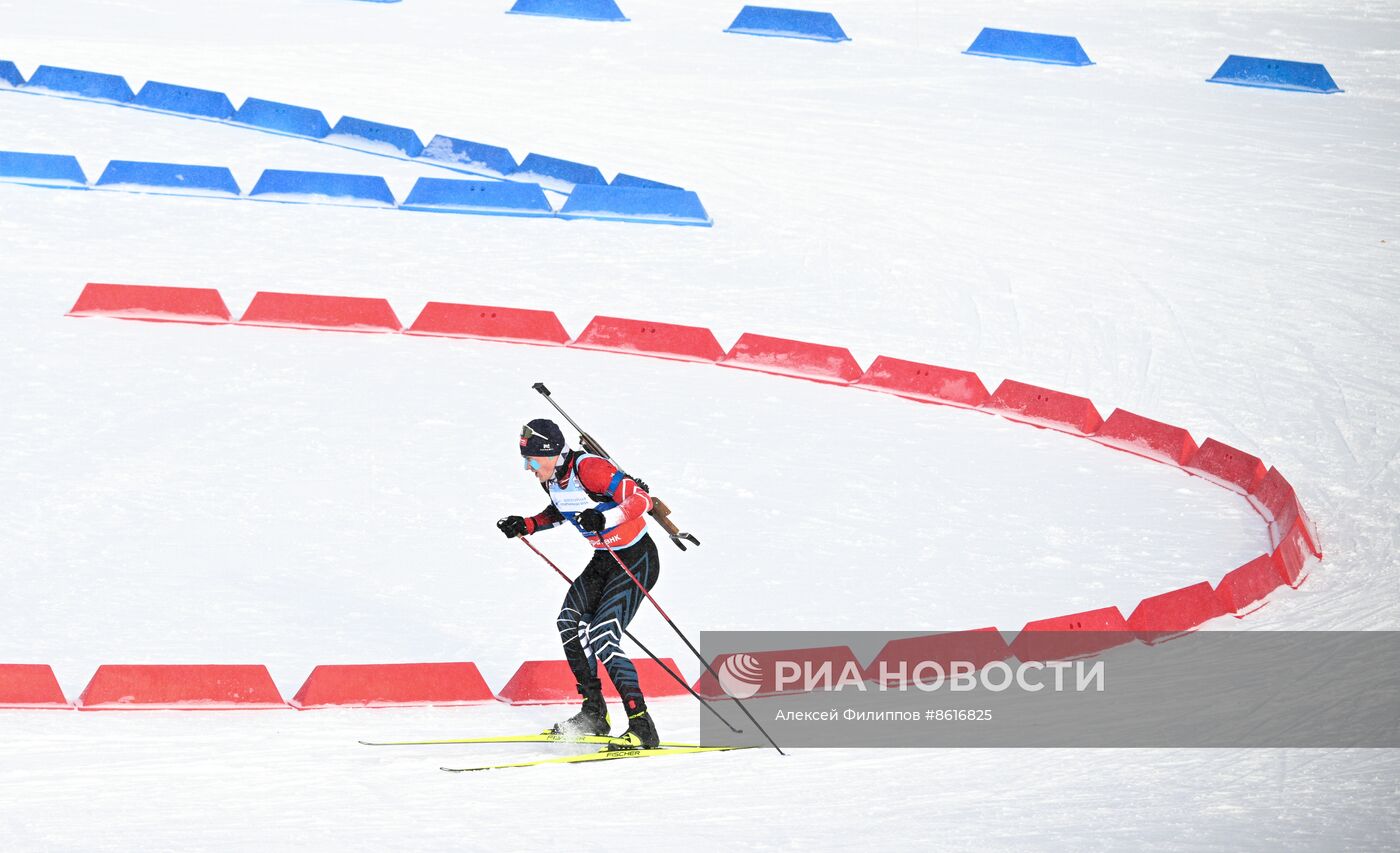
(584,481)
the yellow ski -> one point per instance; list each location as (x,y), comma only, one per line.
(538,738)
(603,755)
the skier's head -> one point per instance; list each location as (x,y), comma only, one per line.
(542,444)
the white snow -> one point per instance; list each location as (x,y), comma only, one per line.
(1216,257)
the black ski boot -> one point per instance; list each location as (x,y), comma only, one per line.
(592,719)
(640,734)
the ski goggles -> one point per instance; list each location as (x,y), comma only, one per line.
(532,464)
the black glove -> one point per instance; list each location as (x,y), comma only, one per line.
(512,526)
(591,520)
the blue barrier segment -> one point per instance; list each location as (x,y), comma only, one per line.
(787,23)
(1028,47)
(44,169)
(169,176)
(9,74)
(469,156)
(559,174)
(586,10)
(334,185)
(622,179)
(88,84)
(635,204)
(272,115)
(1275,74)
(502,198)
(400,138)
(185,100)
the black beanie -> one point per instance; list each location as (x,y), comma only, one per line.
(541,437)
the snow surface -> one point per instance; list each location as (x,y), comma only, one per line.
(1215,257)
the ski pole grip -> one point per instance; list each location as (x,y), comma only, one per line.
(539,386)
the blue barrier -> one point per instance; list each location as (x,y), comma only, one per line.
(271,115)
(469,156)
(185,100)
(587,10)
(1275,74)
(787,23)
(400,138)
(503,198)
(635,204)
(621,179)
(1028,47)
(89,84)
(559,174)
(169,176)
(46,169)
(10,74)
(280,182)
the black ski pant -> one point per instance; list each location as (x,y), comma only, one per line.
(598,607)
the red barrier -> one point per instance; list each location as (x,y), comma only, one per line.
(1227,466)
(814,667)
(1146,437)
(817,362)
(517,325)
(1073,636)
(551,682)
(386,685)
(1242,590)
(906,660)
(330,313)
(1170,614)
(1044,408)
(199,687)
(30,685)
(1292,554)
(147,302)
(663,340)
(925,382)
(1276,495)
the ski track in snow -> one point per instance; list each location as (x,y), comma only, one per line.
(1215,257)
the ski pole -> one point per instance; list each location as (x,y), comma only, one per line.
(683,637)
(645,650)
(658,511)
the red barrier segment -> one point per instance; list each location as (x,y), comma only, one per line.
(1043,407)
(907,660)
(517,325)
(1072,636)
(757,673)
(1170,614)
(1276,495)
(551,682)
(1242,590)
(386,685)
(1292,554)
(818,362)
(663,340)
(193,687)
(328,313)
(1146,437)
(1232,468)
(925,382)
(149,302)
(30,685)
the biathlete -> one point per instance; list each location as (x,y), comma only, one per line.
(609,509)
